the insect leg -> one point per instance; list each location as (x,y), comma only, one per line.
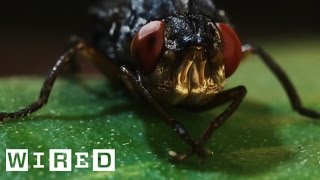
(235,95)
(75,47)
(133,82)
(284,80)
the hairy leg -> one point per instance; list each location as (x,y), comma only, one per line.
(76,46)
(284,80)
(133,81)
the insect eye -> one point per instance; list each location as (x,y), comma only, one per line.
(147,45)
(232,52)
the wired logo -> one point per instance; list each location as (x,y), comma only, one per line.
(61,160)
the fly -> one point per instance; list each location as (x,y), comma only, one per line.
(172,53)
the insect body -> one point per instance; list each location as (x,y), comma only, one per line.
(172,53)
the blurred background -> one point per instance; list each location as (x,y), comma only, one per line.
(33,33)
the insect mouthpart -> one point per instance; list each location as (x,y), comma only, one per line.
(192,71)
(199,76)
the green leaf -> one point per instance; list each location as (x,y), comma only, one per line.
(264,139)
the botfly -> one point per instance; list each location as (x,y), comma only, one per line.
(172,53)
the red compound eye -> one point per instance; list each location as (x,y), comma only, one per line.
(147,45)
(232,52)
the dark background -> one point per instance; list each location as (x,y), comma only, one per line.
(33,33)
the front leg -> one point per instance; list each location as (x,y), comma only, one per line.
(235,96)
(133,81)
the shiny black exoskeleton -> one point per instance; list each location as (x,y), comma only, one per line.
(116,22)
